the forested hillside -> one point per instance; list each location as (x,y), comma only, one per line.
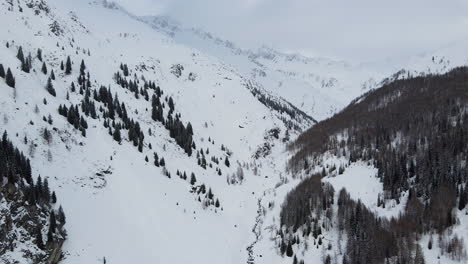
(413,131)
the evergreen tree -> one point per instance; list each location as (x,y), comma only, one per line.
(82,68)
(26,64)
(68,66)
(39,241)
(2,71)
(61,216)
(289,250)
(44,68)
(20,54)
(193,180)
(52,74)
(53,198)
(419,256)
(117,137)
(226,162)
(162,162)
(50,87)
(39,54)
(462,199)
(52,222)
(156,160)
(9,79)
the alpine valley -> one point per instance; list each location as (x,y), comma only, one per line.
(131,139)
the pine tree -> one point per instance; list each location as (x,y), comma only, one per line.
(39,241)
(226,162)
(156,160)
(50,87)
(53,198)
(463,199)
(2,71)
(289,250)
(162,162)
(193,180)
(20,54)
(82,68)
(44,68)
(419,256)
(61,216)
(68,66)
(39,54)
(52,222)
(52,74)
(46,190)
(117,137)
(26,64)
(9,79)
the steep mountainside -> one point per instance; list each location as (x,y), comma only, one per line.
(385,180)
(153,148)
(319,86)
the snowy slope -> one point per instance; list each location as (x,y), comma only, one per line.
(119,206)
(319,86)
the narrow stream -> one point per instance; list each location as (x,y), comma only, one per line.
(256,230)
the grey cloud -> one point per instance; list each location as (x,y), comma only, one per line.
(355,30)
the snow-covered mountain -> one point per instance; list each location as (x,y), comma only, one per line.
(164,144)
(319,86)
(118,204)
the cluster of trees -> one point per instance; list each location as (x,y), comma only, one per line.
(308,200)
(207,198)
(373,239)
(306,210)
(160,162)
(177,130)
(237,177)
(26,61)
(183,134)
(88,107)
(201,158)
(8,76)
(22,190)
(281,107)
(50,87)
(14,166)
(117,109)
(414,132)
(132,85)
(73,117)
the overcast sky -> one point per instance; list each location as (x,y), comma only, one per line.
(359,30)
